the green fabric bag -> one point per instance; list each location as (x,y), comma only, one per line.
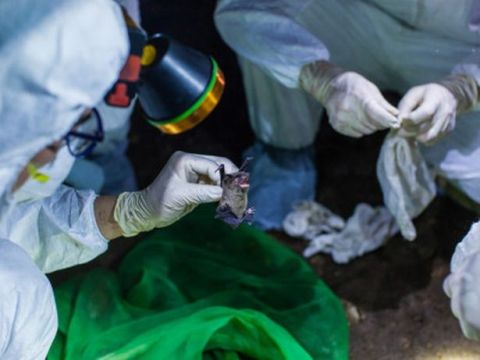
(199,290)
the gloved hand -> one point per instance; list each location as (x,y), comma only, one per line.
(462,283)
(186,181)
(355,106)
(428,112)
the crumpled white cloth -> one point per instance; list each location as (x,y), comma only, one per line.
(407,183)
(310,219)
(367,230)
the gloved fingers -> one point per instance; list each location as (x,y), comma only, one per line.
(409,130)
(379,116)
(188,209)
(362,124)
(424,113)
(179,213)
(230,167)
(365,127)
(449,124)
(450,117)
(410,101)
(437,128)
(392,110)
(196,194)
(199,166)
(428,106)
(344,128)
(348,131)
(432,131)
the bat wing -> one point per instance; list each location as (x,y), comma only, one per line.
(225,214)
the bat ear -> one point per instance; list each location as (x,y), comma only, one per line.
(245,163)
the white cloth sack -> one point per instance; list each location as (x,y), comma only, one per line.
(406,181)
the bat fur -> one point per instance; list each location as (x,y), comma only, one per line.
(233,207)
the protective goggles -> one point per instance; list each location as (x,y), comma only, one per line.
(84,137)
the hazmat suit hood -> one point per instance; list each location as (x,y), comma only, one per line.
(57,58)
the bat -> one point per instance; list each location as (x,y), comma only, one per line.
(233,206)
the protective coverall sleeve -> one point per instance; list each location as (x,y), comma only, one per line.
(57,232)
(268,34)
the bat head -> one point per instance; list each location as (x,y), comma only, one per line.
(238,181)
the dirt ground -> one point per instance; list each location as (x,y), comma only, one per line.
(394,295)
(395,292)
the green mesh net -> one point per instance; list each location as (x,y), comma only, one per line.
(199,290)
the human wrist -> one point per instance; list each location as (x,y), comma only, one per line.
(316,77)
(103,210)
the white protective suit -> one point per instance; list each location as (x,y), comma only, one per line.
(57,58)
(394,44)
(463,285)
